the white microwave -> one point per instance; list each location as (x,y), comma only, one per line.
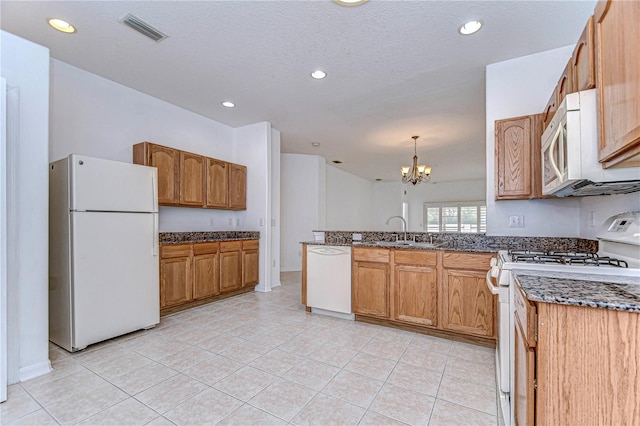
(570,165)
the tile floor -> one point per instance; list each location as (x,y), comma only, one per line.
(260,359)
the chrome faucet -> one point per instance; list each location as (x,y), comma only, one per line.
(404,225)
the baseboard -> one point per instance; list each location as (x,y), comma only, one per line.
(262,288)
(292,269)
(278,284)
(35,370)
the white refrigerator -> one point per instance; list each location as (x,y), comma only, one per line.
(103,250)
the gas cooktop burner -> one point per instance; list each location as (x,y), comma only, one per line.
(564,257)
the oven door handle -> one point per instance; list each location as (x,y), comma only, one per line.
(554,141)
(492,288)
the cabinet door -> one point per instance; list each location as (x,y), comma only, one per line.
(583,64)
(523,394)
(217,184)
(206,277)
(230,266)
(618,81)
(415,294)
(237,187)
(370,284)
(550,109)
(565,84)
(166,160)
(468,303)
(250,270)
(191,179)
(518,158)
(175,281)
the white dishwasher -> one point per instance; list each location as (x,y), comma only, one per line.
(329,280)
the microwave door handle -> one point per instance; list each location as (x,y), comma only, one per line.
(551,147)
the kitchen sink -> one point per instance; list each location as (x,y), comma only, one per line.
(405,244)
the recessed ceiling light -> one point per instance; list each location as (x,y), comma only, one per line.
(316,144)
(228,104)
(350,2)
(318,74)
(470,27)
(337,162)
(61,25)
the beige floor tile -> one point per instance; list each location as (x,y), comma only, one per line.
(248,415)
(63,367)
(353,388)
(277,362)
(362,329)
(434,344)
(475,353)
(349,340)
(273,338)
(220,343)
(417,379)
(159,347)
(160,421)
(283,399)
(93,356)
(170,393)
(320,332)
(326,410)
(374,419)
(115,367)
(57,354)
(302,346)
(403,405)
(246,352)
(37,418)
(142,378)
(213,369)
(248,331)
(447,413)
(471,371)
(394,335)
(371,366)
(128,412)
(186,358)
(245,383)
(469,394)
(71,410)
(207,407)
(332,354)
(188,333)
(312,374)
(384,349)
(49,392)
(18,404)
(425,357)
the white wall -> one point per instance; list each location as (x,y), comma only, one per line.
(350,201)
(275,208)
(93,116)
(516,87)
(602,208)
(455,191)
(387,201)
(303,206)
(25,66)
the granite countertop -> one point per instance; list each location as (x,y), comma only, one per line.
(204,237)
(595,291)
(447,247)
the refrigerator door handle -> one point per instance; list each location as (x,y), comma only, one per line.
(154,244)
(154,192)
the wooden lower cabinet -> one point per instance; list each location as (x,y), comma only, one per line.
(193,274)
(370,290)
(230,266)
(415,287)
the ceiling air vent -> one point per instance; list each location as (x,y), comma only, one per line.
(132,21)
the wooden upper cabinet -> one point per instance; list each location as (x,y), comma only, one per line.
(518,174)
(237,187)
(565,84)
(167,161)
(191,179)
(583,62)
(217,173)
(550,109)
(618,81)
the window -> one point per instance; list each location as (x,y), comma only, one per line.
(455,217)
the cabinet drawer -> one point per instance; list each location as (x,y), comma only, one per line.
(250,245)
(415,257)
(205,248)
(175,250)
(525,312)
(370,254)
(480,262)
(230,246)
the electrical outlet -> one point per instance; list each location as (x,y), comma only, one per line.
(230,221)
(212,222)
(261,222)
(237,222)
(516,221)
(274,263)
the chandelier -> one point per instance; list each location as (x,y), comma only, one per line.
(415,173)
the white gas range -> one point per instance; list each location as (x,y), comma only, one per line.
(618,255)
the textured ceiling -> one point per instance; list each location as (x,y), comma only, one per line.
(395,68)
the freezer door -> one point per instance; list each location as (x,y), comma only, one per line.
(105,185)
(115,275)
